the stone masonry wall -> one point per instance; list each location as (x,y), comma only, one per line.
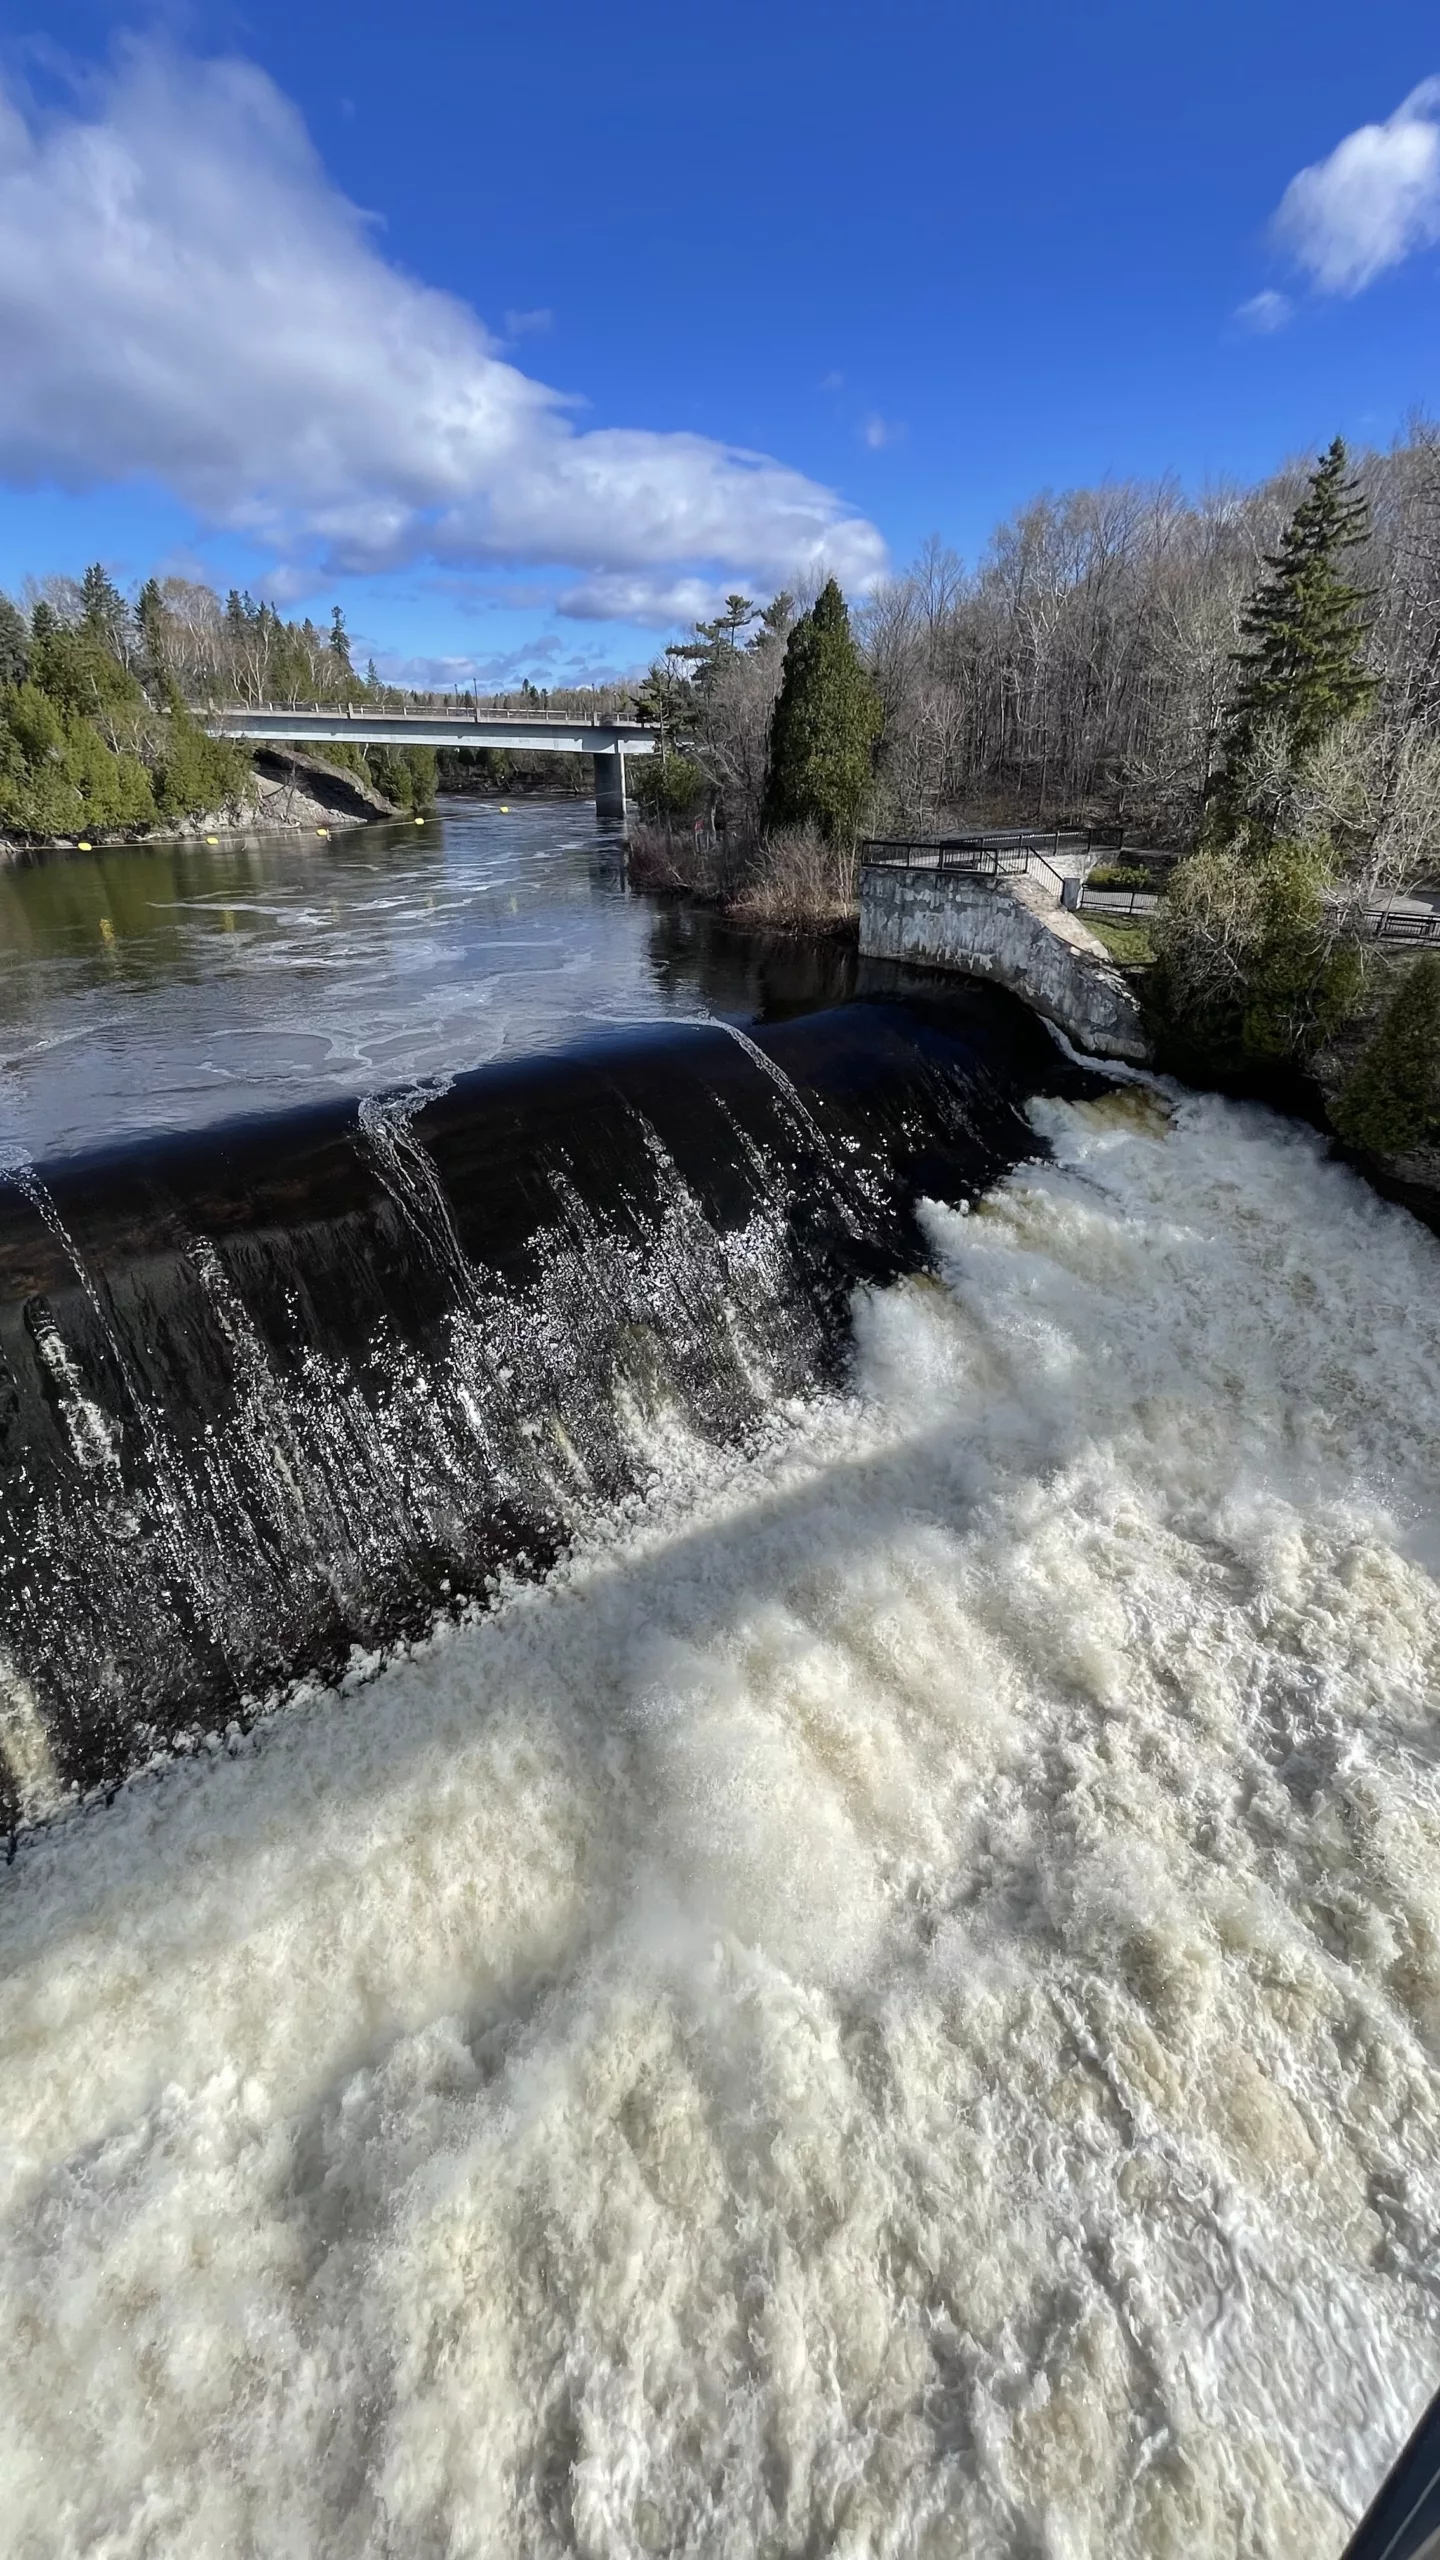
(1013,931)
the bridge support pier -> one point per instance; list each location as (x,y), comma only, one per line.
(610,806)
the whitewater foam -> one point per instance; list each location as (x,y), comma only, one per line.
(891,2006)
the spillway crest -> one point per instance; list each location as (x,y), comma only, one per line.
(287,1392)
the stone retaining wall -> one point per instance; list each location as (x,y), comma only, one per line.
(1013,931)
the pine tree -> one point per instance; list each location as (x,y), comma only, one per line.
(102,609)
(824,728)
(339,637)
(1302,668)
(150,627)
(14,643)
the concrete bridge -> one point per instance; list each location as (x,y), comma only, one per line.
(608,741)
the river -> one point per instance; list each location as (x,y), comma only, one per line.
(183,985)
(882,1997)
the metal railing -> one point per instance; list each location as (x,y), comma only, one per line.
(1116,902)
(996,854)
(1388,927)
(954,853)
(985,848)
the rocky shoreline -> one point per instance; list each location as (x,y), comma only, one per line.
(291,794)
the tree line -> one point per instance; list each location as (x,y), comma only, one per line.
(1251,680)
(97,737)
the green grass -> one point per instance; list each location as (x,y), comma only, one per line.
(1126,938)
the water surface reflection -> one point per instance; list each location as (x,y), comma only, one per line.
(179,985)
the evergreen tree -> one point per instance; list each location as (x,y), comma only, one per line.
(339,637)
(715,643)
(1390,1102)
(102,609)
(1301,670)
(824,728)
(14,643)
(150,627)
(198,774)
(78,669)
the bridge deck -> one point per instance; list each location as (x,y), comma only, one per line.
(360,728)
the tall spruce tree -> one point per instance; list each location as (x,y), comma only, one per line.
(150,628)
(824,727)
(102,609)
(1302,667)
(14,643)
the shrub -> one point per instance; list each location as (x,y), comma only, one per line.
(667,786)
(197,773)
(1120,875)
(406,775)
(1250,970)
(663,860)
(799,878)
(58,776)
(1390,1101)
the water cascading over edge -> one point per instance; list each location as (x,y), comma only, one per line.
(273,1397)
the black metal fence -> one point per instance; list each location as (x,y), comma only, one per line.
(1117,902)
(996,854)
(1404,928)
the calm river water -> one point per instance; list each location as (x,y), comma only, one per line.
(171,986)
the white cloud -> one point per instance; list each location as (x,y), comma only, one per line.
(528,324)
(539,659)
(1264,313)
(1374,201)
(877,432)
(647,601)
(184,296)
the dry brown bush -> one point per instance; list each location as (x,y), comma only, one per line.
(676,860)
(796,878)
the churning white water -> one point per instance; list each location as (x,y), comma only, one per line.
(891,2008)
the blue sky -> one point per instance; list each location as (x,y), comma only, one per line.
(524,333)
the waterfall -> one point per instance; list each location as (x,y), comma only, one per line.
(886,2002)
(279,1398)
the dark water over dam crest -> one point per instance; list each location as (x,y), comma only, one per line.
(289,1390)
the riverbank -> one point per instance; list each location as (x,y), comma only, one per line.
(288,793)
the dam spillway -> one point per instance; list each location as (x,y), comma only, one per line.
(830,1942)
(283,1393)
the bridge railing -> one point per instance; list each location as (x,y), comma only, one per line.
(457,712)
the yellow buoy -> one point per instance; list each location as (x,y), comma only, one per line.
(419,822)
(504,808)
(82,847)
(212,839)
(322,831)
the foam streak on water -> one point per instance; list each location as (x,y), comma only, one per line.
(890,2008)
